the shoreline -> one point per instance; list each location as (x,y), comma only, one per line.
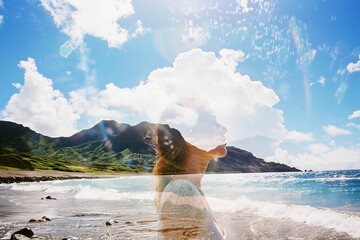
(17,176)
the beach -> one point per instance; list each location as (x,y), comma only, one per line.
(123,208)
(13,176)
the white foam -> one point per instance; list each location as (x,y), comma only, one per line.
(84,191)
(340,221)
(88,192)
(40,187)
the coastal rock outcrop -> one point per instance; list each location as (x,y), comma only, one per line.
(25,233)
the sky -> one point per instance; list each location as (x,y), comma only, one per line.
(283,77)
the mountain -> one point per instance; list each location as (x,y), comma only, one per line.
(108,146)
(238,160)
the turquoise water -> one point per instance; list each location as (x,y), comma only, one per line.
(329,189)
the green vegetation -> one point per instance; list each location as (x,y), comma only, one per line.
(32,151)
(124,151)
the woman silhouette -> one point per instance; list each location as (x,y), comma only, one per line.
(182,206)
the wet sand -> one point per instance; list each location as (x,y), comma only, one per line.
(140,225)
(249,226)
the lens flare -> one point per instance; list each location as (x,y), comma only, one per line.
(304,59)
(296,34)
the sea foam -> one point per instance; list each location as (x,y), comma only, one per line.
(341,221)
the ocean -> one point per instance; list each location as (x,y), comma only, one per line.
(328,201)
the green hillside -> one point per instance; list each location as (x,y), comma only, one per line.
(108,147)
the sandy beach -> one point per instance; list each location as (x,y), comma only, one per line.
(146,226)
(84,206)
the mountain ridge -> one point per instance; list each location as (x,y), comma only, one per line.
(108,146)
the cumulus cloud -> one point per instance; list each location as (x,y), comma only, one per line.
(296,136)
(355,114)
(245,107)
(335,131)
(354,67)
(100,19)
(231,57)
(39,106)
(320,157)
(1,19)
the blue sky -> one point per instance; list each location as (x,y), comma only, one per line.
(282,76)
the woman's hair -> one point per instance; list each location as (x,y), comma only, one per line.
(171,156)
(171,151)
(174,156)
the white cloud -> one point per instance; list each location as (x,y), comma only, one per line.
(245,107)
(355,114)
(1,4)
(100,19)
(39,106)
(296,136)
(1,19)
(243,6)
(321,157)
(354,67)
(335,131)
(194,35)
(85,64)
(231,57)
(139,29)
(319,148)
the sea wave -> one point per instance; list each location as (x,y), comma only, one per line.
(48,188)
(341,221)
(84,192)
(88,192)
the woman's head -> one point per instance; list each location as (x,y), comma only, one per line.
(176,156)
(197,124)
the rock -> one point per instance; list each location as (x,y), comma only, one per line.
(110,222)
(46,218)
(43,219)
(25,233)
(19,237)
(33,220)
(51,198)
(127,222)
